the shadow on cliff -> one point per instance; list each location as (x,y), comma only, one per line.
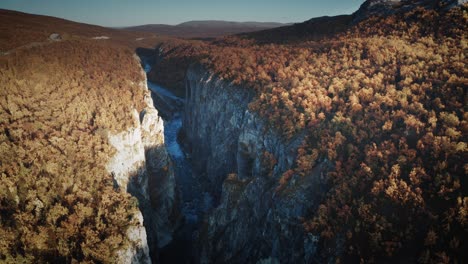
(167,105)
(169,66)
(150,56)
(151,184)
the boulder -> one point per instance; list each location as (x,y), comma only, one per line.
(55,37)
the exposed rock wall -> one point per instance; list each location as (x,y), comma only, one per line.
(254,221)
(141,166)
(138,251)
(387,7)
(214,114)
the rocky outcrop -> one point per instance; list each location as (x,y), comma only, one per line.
(388,7)
(214,114)
(141,166)
(55,37)
(138,250)
(254,220)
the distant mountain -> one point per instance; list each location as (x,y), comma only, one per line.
(205,28)
(221,24)
(313,29)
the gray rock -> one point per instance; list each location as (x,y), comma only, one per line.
(268,261)
(253,221)
(55,37)
(212,121)
(142,167)
(388,7)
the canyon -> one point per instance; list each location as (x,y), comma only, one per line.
(263,148)
(232,209)
(253,220)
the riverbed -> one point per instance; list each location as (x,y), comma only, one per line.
(194,201)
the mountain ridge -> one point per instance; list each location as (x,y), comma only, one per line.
(205,28)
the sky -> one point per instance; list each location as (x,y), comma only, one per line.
(116,13)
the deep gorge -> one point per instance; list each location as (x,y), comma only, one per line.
(336,140)
(193,200)
(232,211)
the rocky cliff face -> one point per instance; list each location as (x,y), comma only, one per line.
(254,221)
(142,167)
(388,7)
(138,250)
(214,114)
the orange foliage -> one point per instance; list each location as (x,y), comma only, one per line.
(384,103)
(59,102)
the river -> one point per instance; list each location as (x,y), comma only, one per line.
(195,202)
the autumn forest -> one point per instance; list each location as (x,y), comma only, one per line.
(383,102)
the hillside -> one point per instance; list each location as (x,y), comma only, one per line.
(61,101)
(385,103)
(337,140)
(20,29)
(382,103)
(313,29)
(325,27)
(205,29)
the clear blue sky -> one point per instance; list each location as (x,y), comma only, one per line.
(138,12)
